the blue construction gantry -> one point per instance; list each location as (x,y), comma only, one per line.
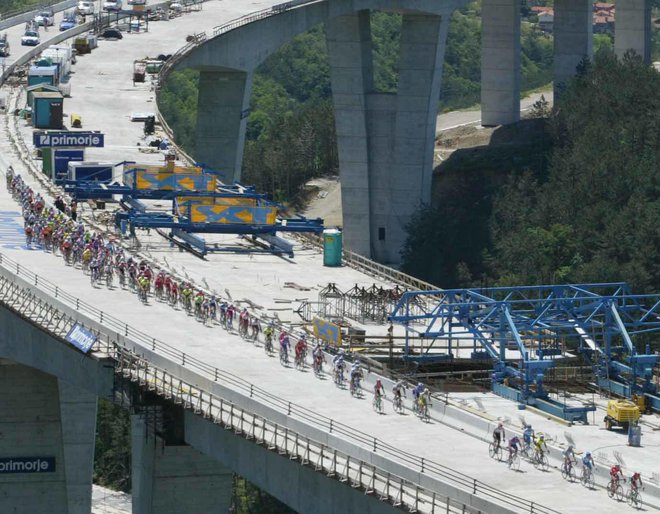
(200,204)
(520,330)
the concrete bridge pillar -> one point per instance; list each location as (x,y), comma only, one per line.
(500,62)
(385,141)
(222,110)
(632,28)
(47,431)
(573,38)
(170,477)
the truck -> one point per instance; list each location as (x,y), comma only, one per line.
(621,414)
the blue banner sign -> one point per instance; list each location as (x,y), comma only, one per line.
(68,139)
(27,465)
(81,338)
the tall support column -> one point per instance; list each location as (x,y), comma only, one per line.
(500,62)
(632,28)
(40,423)
(78,414)
(222,106)
(408,183)
(573,39)
(385,141)
(175,478)
(351,71)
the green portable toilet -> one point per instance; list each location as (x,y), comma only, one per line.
(332,247)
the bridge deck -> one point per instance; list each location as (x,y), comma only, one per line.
(104,97)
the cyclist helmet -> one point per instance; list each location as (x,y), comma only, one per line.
(426,390)
(570,447)
(378,382)
(420,385)
(541,437)
(588,454)
(500,424)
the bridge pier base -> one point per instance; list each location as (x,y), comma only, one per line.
(175,478)
(500,62)
(632,28)
(385,141)
(573,39)
(222,104)
(41,417)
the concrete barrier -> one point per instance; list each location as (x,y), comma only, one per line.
(29,15)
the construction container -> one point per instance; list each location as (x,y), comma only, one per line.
(332,247)
(39,88)
(43,75)
(47,110)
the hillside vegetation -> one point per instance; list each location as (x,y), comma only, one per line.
(588,211)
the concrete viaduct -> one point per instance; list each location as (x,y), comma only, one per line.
(385,141)
(192,427)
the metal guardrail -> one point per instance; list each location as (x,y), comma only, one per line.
(119,336)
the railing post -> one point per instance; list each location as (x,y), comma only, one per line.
(215,378)
(77,304)
(375,443)
(126,329)
(422,465)
(251,390)
(183,359)
(474,486)
(289,410)
(153,345)
(57,290)
(101,317)
(331,426)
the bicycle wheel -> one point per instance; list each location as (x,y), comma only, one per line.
(610,489)
(514,462)
(619,493)
(544,464)
(637,501)
(492,450)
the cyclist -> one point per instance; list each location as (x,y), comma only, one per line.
(615,474)
(244,321)
(424,401)
(498,435)
(268,334)
(356,375)
(318,357)
(569,458)
(588,461)
(338,363)
(539,445)
(636,481)
(528,435)
(284,346)
(399,391)
(379,390)
(199,300)
(416,392)
(255,327)
(301,350)
(514,446)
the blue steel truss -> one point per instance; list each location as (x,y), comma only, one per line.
(604,321)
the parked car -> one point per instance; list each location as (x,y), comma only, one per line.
(85,8)
(30,38)
(137,2)
(112,33)
(4,46)
(112,5)
(45,18)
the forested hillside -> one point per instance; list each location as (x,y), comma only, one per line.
(591,214)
